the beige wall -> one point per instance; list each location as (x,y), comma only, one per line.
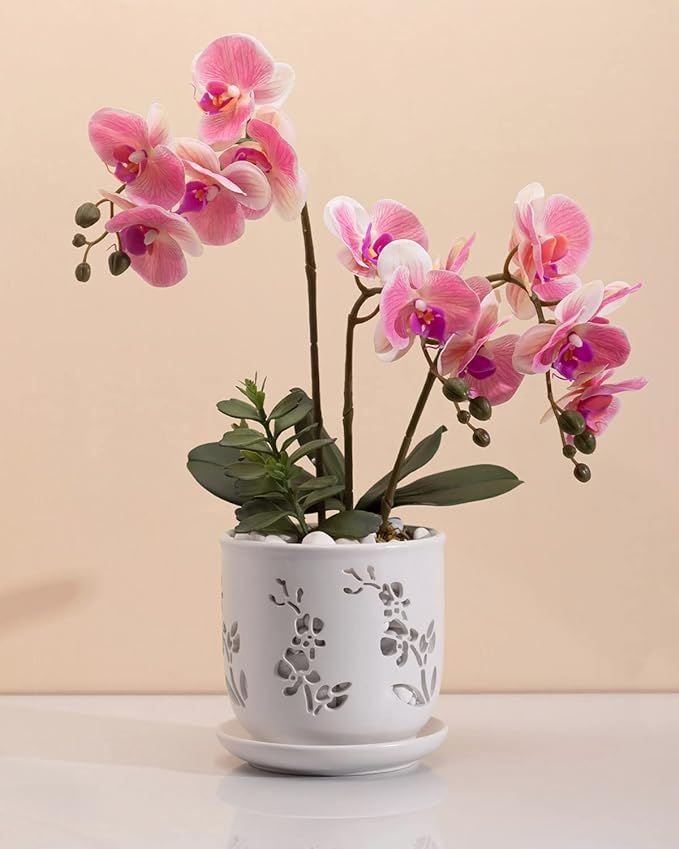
(109,577)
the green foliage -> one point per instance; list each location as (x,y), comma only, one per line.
(353,524)
(458,486)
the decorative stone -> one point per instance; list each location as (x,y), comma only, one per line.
(318,538)
(396,522)
(420,533)
(369,540)
(346,541)
(256,536)
(273,538)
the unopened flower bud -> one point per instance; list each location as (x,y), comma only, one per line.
(455,389)
(82,272)
(79,240)
(569,451)
(480,408)
(463,416)
(572,422)
(87,214)
(582,472)
(118,262)
(481,437)
(585,442)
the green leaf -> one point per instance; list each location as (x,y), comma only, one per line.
(246,471)
(286,405)
(252,511)
(241,437)
(297,414)
(296,436)
(458,486)
(317,483)
(260,521)
(207,463)
(333,459)
(421,454)
(321,495)
(351,523)
(309,448)
(238,409)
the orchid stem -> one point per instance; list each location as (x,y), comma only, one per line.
(348,410)
(388,497)
(310,268)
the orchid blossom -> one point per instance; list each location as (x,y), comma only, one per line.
(216,200)
(418,300)
(484,363)
(552,238)
(268,151)
(138,152)
(365,235)
(594,398)
(583,341)
(233,76)
(154,239)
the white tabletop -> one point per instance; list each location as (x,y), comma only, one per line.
(516,771)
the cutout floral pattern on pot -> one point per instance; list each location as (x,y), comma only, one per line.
(295,667)
(400,641)
(238,692)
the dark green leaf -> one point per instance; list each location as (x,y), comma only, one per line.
(321,495)
(238,409)
(241,437)
(296,436)
(297,414)
(309,448)
(318,483)
(351,523)
(246,471)
(207,463)
(421,454)
(333,459)
(458,486)
(286,405)
(260,521)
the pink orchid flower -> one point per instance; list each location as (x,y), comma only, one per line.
(553,237)
(594,398)
(268,151)
(154,239)
(366,235)
(484,363)
(419,300)
(459,254)
(138,152)
(233,76)
(583,341)
(216,200)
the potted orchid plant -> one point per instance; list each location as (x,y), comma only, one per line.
(332,605)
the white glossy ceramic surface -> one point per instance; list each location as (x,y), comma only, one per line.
(360,759)
(331,644)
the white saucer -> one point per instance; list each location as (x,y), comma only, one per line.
(358,759)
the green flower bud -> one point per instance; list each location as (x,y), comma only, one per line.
(87,214)
(79,240)
(481,437)
(569,451)
(585,442)
(455,389)
(463,416)
(118,262)
(572,422)
(480,408)
(82,272)
(582,472)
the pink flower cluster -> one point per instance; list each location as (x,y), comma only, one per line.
(459,316)
(177,196)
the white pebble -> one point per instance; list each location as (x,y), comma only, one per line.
(288,538)
(420,533)
(395,522)
(346,541)
(318,538)
(256,536)
(241,537)
(368,540)
(273,538)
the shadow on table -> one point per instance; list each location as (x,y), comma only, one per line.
(56,734)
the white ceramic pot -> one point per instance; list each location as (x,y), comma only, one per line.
(333,644)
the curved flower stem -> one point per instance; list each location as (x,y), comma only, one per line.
(388,497)
(310,268)
(348,410)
